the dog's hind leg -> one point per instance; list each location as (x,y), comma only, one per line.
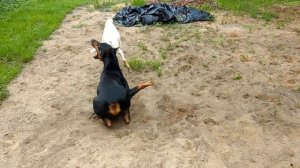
(107,122)
(120,51)
(127,116)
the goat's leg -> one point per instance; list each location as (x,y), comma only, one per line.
(120,51)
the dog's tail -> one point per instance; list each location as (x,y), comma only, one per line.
(139,87)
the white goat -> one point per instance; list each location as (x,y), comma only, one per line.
(112,37)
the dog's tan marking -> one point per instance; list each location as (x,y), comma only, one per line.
(114,109)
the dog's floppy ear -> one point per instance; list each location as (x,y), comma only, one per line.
(96,45)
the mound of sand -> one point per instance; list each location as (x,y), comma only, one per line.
(228,97)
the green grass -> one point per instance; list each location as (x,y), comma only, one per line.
(24,25)
(138,2)
(135,2)
(9,5)
(255,8)
(102,4)
(138,64)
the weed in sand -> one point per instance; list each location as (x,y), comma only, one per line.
(261,62)
(80,25)
(197,35)
(170,26)
(276,112)
(245,58)
(280,24)
(205,66)
(163,53)
(44,50)
(297,90)
(136,64)
(298,105)
(159,72)
(165,39)
(142,47)
(237,76)
(221,41)
(145,29)
(228,18)
(250,28)
(139,65)
(171,46)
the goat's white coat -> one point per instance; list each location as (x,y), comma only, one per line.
(112,37)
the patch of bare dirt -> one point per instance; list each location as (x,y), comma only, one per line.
(228,97)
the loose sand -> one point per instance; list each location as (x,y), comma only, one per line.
(228,97)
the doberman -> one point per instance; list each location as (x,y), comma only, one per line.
(113,93)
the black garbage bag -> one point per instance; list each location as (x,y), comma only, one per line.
(159,12)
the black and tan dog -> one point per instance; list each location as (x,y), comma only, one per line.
(113,93)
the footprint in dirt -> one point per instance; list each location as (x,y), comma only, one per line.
(210,121)
(123,133)
(184,68)
(93,117)
(149,135)
(188,62)
(268,98)
(8,139)
(176,110)
(189,59)
(198,90)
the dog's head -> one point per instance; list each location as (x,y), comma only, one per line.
(102,49)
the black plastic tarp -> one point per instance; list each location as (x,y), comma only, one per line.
(159,12)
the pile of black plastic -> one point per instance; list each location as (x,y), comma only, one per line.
(159,12)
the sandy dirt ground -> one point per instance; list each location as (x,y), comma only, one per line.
(229,96)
